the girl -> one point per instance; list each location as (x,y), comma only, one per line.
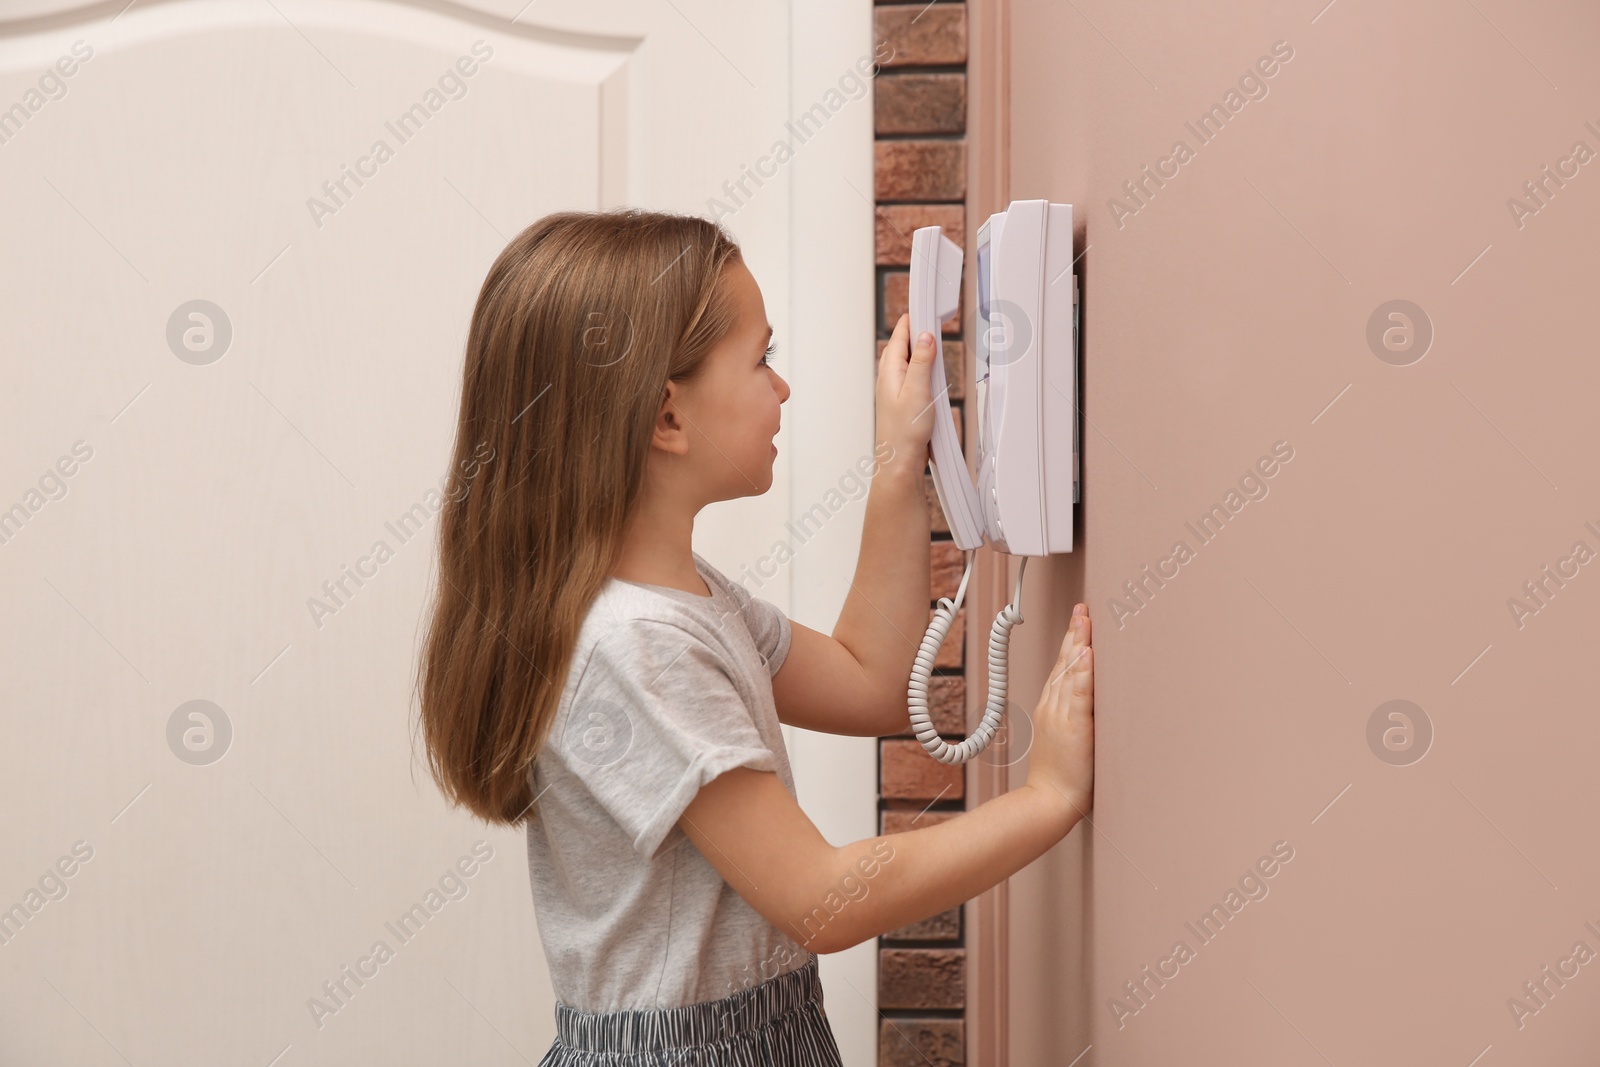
(587,673)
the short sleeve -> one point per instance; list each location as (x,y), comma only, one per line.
(656,716)
(768,625)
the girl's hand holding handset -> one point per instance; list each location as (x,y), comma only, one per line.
(904,395)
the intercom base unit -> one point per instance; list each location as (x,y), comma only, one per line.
(1027,378)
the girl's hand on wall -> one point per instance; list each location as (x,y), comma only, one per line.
(905,394)
(1062,757)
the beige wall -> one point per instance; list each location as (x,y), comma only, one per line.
(1230,312)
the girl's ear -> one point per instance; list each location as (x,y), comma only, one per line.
(671,432)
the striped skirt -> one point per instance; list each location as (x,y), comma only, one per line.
(778,1023)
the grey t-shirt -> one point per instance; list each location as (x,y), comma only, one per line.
(666,691)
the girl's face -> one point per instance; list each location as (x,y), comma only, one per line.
(731,411)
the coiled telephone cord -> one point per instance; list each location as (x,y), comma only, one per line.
(995,708)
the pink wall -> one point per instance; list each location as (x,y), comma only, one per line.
(1229,312)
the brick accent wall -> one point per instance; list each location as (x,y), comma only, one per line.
(920,157)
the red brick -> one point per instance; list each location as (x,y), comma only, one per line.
(937,522)
(920,170)
(909,773)
(946,564)
(922,978)
(897,222)
(900,820)
(920,103)
(947,705)
(949,654)
(945,926)
(922,34)
(922,1043)
(955,363)
(897,301)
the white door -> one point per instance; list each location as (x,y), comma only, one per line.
(242,242)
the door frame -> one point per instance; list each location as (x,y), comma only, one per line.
(988,923)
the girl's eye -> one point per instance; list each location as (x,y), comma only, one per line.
(771,351)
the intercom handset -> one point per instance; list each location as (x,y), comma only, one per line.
(1025,392)
(935,295)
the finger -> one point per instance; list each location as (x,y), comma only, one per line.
(1078,630)
(1080,625)
(897,336)
(1064,660)
(892,362)
(1080,703)
(917,385)
(1054,687)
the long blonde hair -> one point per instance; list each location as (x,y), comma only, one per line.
(582,320)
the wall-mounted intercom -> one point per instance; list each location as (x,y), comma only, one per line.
(1026,395)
